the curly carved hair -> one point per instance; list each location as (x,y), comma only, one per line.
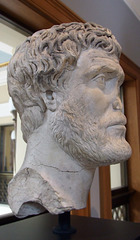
(41,62)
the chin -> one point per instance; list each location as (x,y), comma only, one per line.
(115,152)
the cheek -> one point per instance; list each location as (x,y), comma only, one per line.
(96,101)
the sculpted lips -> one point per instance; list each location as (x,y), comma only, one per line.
(118,125)
(115,121)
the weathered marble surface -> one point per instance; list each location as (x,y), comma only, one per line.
(65,84)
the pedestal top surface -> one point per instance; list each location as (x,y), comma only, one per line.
(40,228)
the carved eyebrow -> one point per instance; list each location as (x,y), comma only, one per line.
(92,72)
(96,70)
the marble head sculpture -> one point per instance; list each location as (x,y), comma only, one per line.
(65,83)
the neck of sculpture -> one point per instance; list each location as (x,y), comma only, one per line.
(63,173)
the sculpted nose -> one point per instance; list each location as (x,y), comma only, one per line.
(117,104)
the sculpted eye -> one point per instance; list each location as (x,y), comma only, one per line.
(101,82)
(98,81)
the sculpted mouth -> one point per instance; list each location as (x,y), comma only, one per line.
(120,122)
(118,125)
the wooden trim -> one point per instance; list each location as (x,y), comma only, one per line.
(55,10)
(130,68)
(105,193)
(34,15)
(132,73)
(132,101)
(133,137)
(138,100)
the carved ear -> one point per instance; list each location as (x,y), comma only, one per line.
(50,100)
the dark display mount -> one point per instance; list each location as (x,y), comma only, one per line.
(64,225)
(40,228)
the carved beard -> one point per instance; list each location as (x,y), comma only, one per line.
(85,138)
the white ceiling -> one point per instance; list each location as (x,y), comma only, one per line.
(134,6)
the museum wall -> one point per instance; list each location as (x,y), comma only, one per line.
(116,16)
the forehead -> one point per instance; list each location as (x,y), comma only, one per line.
(94,61)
